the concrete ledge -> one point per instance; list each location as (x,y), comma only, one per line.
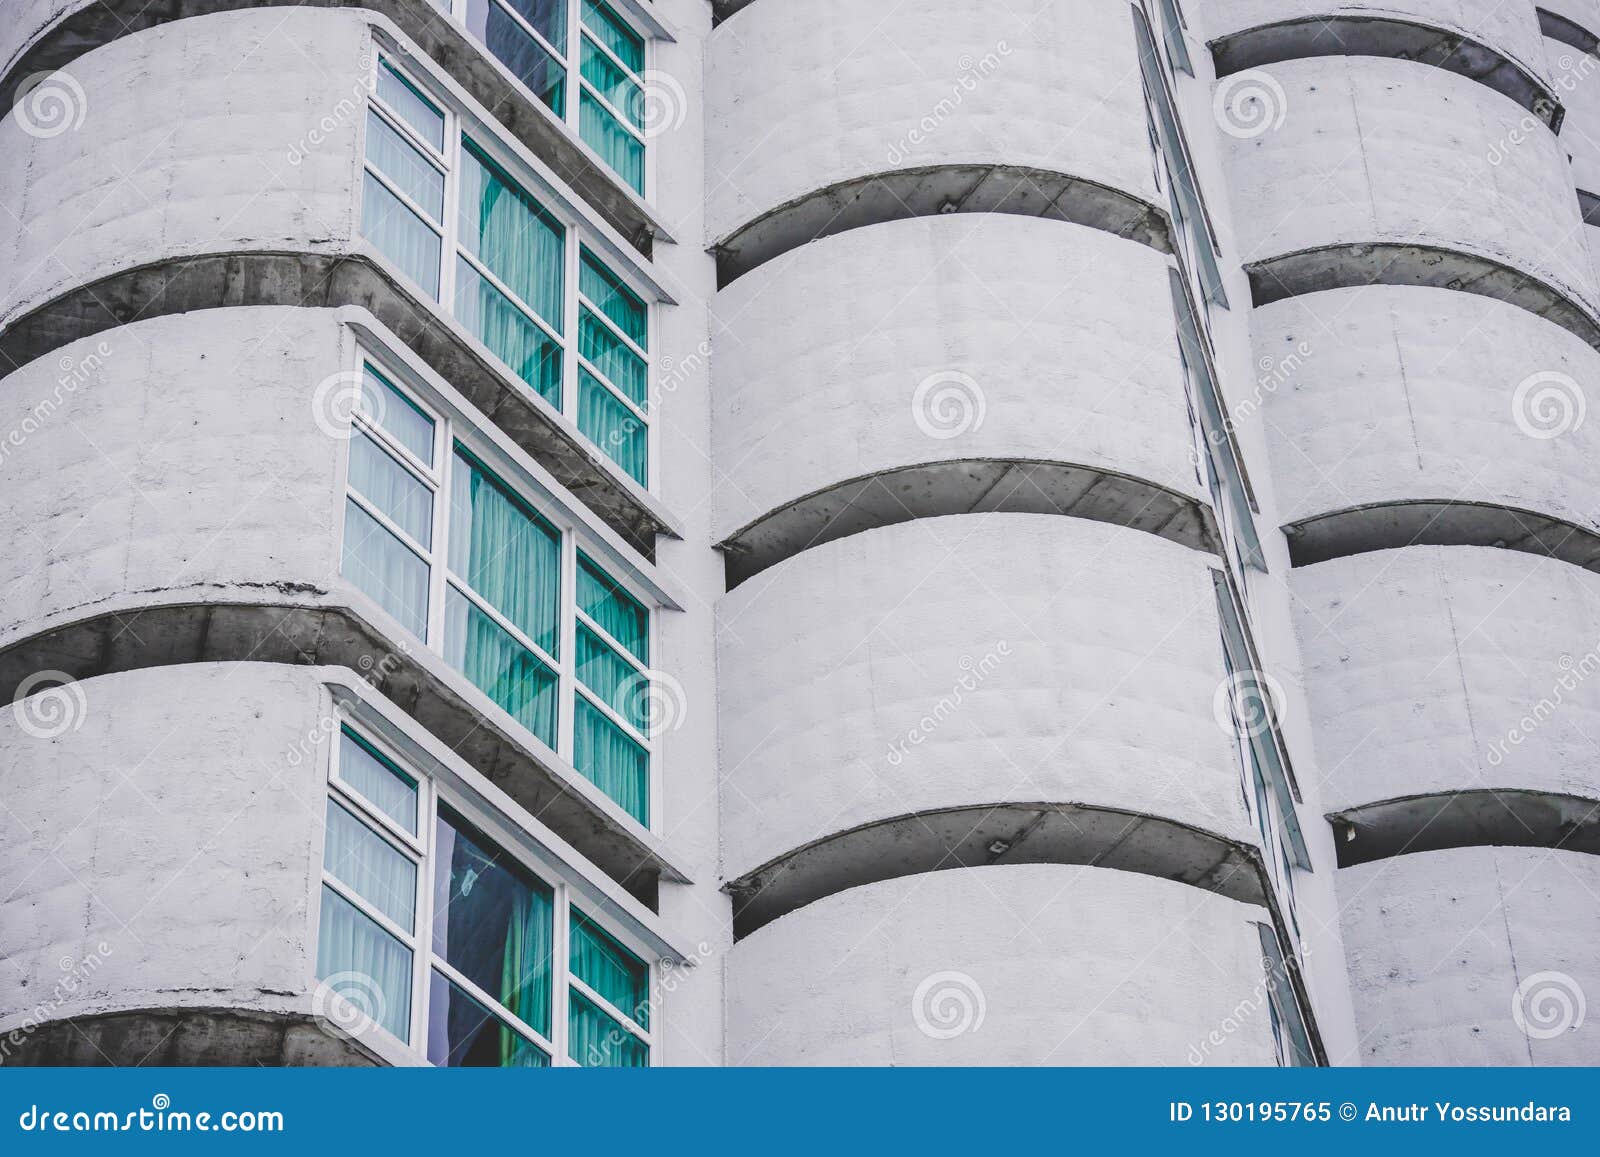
(1385,263)
(84,25)
(1343,34)
(299,625)
(968,837)
(1382,526)
(185,1037)
(1569,32)
(216,280)
(966,486)
(925,192)
(1486,817)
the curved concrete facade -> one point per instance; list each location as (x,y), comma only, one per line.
(994,659)
(1432,680)
(1443,195)
(1447,948)
(1036,113)
(1420,395)
(1022,965)
(940,340)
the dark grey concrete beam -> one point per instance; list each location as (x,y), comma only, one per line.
(1383,526)
(936,189)
(185,1037)
(966,486)
(1488,817)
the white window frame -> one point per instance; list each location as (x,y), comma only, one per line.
(422,851)
(574,237)
(447,434)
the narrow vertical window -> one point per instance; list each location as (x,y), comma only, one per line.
(613,367)
(608,1006)
(610,745)
(402,198)
(611,113)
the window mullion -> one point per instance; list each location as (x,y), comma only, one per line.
(569,325)
(567,706)
(560,973)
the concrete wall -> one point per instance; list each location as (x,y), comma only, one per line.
(1057,342)
(1441,943)
(897,973)
(1373,150)
(1091,651)
(800,98)
(1412,393)
(1577,77)
(1419,662)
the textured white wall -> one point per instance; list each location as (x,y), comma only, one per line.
(1577,79)
(1064,974)
(1391,150)
(1065,332)
(1439,943)
(835,655)
(1410,392)
(1419,661)
(801,97)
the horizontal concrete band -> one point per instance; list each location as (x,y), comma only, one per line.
(301,626)
(188,1036)
(80,26)
(319,280)
(1344,34)
(966,486)
(1386,263)
(1569,32)
(1481,817)
(932,190)
(1424,522)
(1013,833)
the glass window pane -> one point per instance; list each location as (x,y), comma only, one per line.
(611,82)
(364,964)
(611,760)
(610,355)
(597,1040)
(512,235)
(398,159)
(616,300)
(610,425)
(400,235)
(616,681)
(493,922)
(529,61)
(621,615)
(356,855)
(499,666)
(393,792)
(392,488)
(386,569)
(618,147)
(530,352)
(610,969)
(411,106)
(462,1033)
(506,553)
(614,33)
(399,416)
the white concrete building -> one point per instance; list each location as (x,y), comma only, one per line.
(635,532)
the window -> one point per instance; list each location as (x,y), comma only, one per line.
(452,946)
(1172,26)
(531,38)
(1288,1026)
(467,564)
(564,322)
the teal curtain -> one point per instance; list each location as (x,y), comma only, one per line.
(505,552)
(512,235)
(609,354)
(621,615)
(392,791)
(387,570)
(606,966)
(612,83)
(390,487)
(525,973)
(608,28)
(530,352)
(611,760)
(464,1033)
(400,235)
(611,677)
(610,425)
(614,299)
(398,159)
(396,413)
(596,1040)
(370,865)
(372,968)
(501,667)
(606,135)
